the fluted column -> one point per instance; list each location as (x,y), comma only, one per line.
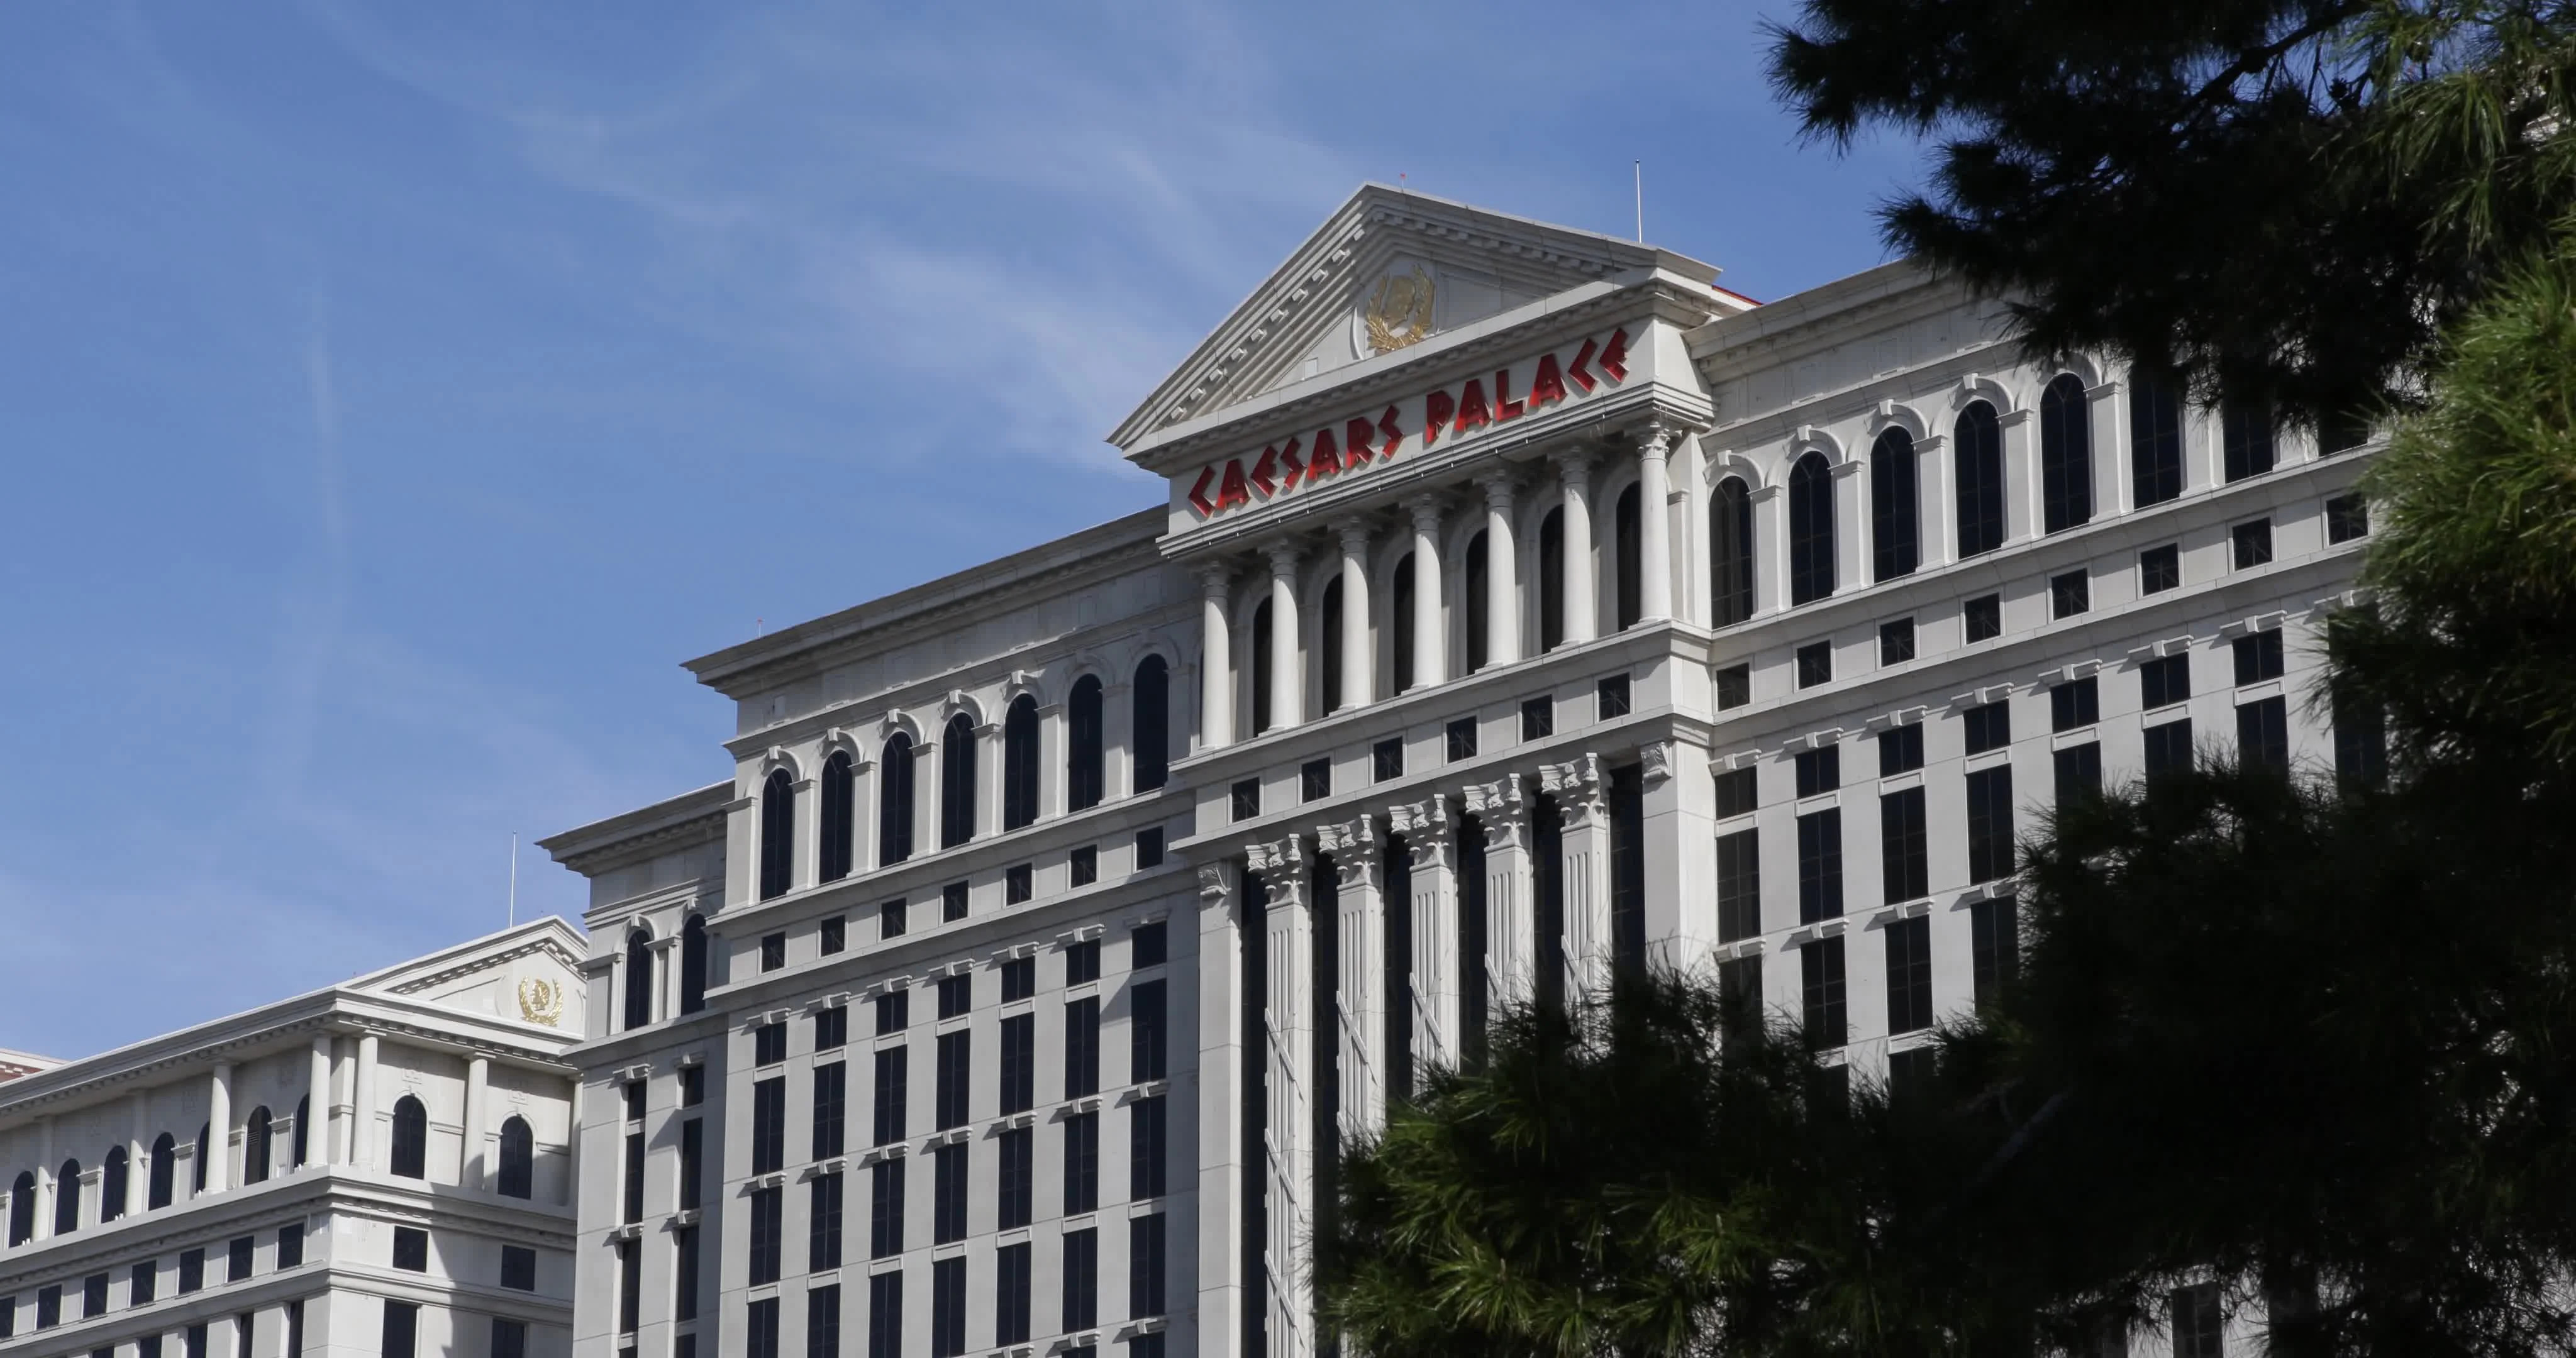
(1359,992)
(1582,594)
(362,1107)
(1216,661)
(1654,524)
(219,1128)
(1287,705)
(1357,691)
(1222,1055)
(317,1104)
(1502,572)
(1584,844)
(1510,941)
(1433,917)
(1289,941)
(1430,640)
(478,1083)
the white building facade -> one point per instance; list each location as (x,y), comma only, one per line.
(380,1167)
(1524,606)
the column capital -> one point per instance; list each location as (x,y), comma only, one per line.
(1284,556)
(1576,785)
(1354,533)
(1574,465)
(1654,440)
(1217,884)
(1283,868)
(1500,484)
(1426,829)
(1214,578)
(1425,510)
(1499,806)
(1354,847)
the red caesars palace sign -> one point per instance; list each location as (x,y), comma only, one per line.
(1360,443)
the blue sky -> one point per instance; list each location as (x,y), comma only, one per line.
(391,396)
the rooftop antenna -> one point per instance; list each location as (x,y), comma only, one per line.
(514,879)
(1639,167)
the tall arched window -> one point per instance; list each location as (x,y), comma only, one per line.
(258,1138)
(112,1177)
(67,1194)
(518,1177)
(957,782)
(1895,510)
(639,979)
(1811,529)
(1551,580)
(22,1208)
(205,1157)
(835,848)
(1328,649)
(1261,661)
(1085,761)
(1730,553)
(1980,470)
(161,1185)
(1625,522)
(2245,429)
(777,834)
(1479,584)
(1153,699)
(303,1131)
(410,1156)
(894,800)
(2065,455)
(1020,762)
(693,965)
(1399,626)
(2155,437)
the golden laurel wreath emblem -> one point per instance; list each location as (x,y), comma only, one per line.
(541,1001)
(1399,311)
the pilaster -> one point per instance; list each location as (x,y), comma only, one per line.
(1582,802)
(1220,1098)
(1360,989)
(1289,940)
(1433,918)
(1510,954)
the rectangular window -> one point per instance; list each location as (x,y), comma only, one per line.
(952,902)
(831,1027)
(2078,770)
(2263,734)
(411,1252)
(760,1329)
(823,1322)
(1148,1034)
(1082,962)
(1820,865)
(1017,1194)
(885,1315)
(2155,437)
(2069,594)
(1820,770)
(1900,750)
(2361,744)
(1019,884)
(1990,824)
(2168,748)
(768,1217)
(823,1225)
(140,1289)
(1895,642)
(773,951)
(1147,1130)
(1019,979)
(1461,737)
(1386,759)
(1983,617)
(94,1292)
(1082,866)
(769,1047)
(1909,975)
(1739,886)
(1734,687)
(634,1203)
(401,1338)
(2075,703)
(693,1086)
(769,1125)
(1019,1063)
(1081,1163)
(891,1091)
(1815,664)
(2347,518)
(238,1255)
(1315,780)
(1538,718)
(1610,696)
(1994,945)
(1150,945)
(832,935)
(1081,1292)
(49,1307)
(947,1308)
(2199,1326)
(684,1268)
(1905,850)
(2159,569)
(2250,544)
(192,1271)
(1149,848)
(2245,439)
(949,1081)
(509,1339)
(2162,683)
(1247,799)
(948,1193)
(518,1268)
(1736,793)
(1987,726)
(1820,972)
(1739,993)
(1011,1294)
(885,1209)
(1082,1047)
(956,996)
(630,1285)
(2258,657)
(1145,1266)
(890,919)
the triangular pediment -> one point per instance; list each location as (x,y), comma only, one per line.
(527,974)
(1389,270)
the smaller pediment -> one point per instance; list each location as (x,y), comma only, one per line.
(527,974)
(1390,269)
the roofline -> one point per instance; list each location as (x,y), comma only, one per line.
(584,848)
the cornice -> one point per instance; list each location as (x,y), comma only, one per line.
(689,819)
(546,946)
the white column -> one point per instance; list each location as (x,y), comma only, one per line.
(2111,490)
(1433,918)
(1287,698)
(1430,639)
(1510,943)
(1688,468)
(1582,594)
(1287,1010)
(1584,844)
(138,1172)
(1216,662)
(988,782)
(1770,550)
(2021,476)
(1055,742)
(572,1148)
(317,1104)
(1936,513)
(478,1082)
(362,1107)
(1220,1075)
(219,1128)
(1359,991)
(1502,572)
(1851,526)
(805,865)
(1654,525)
(1357,691)
(46,1188)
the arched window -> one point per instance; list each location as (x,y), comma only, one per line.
(257,1136)
(777,834)
(2065,455)
(410,1158)
(162,1183)
(1895,510)
(1551,580)
(518,1177)
(1153,697)
(1811,529)
(639,980)
(1261,667)
(1624,521)
(303,1131)
(1980,463)
(2245,428)
(1085,764)
(67,1194)
(1328,649)
(205,1157)
(957,782)
(693,965)
(894,800)
(2155,437)
(1399,629)
(1730,553)
(22,1209)
(1479,584)
(112,1176)
(1020,762)
(835,847)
